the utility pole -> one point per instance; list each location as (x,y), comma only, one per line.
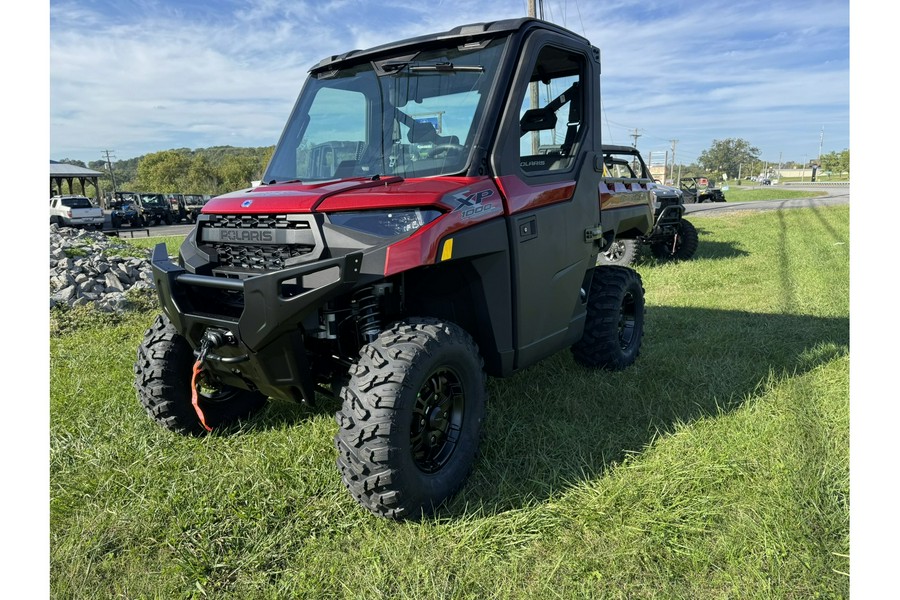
(635,135)
(112,176)
(674,143)
(533,88)
(821,139)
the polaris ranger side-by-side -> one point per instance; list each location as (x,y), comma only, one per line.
(408,239)
(626,178)
(157,209)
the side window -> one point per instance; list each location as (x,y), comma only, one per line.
(336,133)
(550,113)
(618,169)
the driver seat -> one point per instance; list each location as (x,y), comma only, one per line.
(424,132)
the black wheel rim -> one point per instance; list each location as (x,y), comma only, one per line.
(214,393)
(437,420)
(627,321)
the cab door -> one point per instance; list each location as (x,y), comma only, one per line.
(546,165)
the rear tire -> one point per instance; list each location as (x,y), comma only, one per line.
(682,247)
(410,424)
(614,326)
(162,378)
(621,252)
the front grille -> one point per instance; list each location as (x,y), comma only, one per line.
(258,258)
(259,222)
(255,244)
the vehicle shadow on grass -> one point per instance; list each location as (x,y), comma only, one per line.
(717,250)
(285,413)
(708,249)
(705,250)
(556,424)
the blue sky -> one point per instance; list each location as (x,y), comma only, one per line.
(141,76)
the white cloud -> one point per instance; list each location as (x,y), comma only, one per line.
(142,77)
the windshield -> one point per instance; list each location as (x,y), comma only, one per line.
(152,200)
(414,116)
(624,166)
(77,202)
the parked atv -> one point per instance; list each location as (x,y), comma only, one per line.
(408,240)
(126,212)
(193,204)
(157,209)
(625,175)
(701,189)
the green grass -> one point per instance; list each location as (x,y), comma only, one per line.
(172,242)
(741,194)
(715,467)
(819,178)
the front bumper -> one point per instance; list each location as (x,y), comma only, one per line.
(266,351)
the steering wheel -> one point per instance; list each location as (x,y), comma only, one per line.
(444,148)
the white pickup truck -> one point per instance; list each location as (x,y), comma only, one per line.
(75,211)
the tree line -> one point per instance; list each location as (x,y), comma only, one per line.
(735,157)
(222,169)
(213,171)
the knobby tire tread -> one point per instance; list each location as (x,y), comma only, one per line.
(371,422)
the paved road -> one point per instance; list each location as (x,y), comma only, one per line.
(155,231)
(834,197)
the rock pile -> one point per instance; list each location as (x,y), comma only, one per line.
(84,269)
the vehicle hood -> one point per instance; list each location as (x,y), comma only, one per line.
(342,195)
(666,190)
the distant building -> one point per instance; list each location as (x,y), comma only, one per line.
(62,173)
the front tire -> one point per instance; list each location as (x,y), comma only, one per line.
(621,252)
(614,325)
(162,378)
(410,423)
(681,247)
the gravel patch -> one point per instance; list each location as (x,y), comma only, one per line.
(87,267)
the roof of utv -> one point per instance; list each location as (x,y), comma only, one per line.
(462,35)
(622,149)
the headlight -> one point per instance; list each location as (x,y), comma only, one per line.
(385,223)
